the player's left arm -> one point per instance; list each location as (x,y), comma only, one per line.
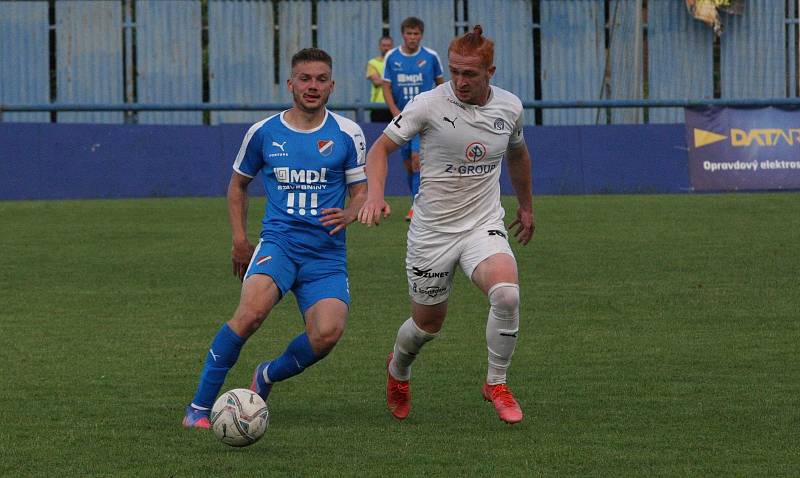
(438,71)
(356,181)
(341,218)
(519,170)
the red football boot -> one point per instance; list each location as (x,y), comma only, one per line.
(507,408)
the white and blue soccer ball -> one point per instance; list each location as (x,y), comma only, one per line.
(239,417)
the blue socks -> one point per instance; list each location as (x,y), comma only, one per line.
(296,358)
(222,355)
(224,352)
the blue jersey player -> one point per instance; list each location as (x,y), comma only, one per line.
(409,70)
(309,158)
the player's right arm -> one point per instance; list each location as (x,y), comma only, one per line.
(389,76)
(376,168)
(242,249)
(248,163)
(389,98)
(403,127)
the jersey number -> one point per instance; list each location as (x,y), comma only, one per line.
(302,201)
(410,92)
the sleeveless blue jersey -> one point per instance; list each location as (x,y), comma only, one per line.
(303,172)
(410,75)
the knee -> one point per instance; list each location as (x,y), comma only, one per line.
(247,320)
(323,340)
(430,325)
(504,300)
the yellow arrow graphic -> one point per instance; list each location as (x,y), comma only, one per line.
(703,137)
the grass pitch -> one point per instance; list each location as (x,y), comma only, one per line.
(659,337)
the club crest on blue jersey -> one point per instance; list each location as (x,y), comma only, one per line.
(325,147)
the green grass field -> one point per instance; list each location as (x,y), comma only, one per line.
(659,337)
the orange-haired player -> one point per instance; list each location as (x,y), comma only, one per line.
(466,127)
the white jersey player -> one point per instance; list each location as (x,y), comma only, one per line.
(466,127)
(463,146)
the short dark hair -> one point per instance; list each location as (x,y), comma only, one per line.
(312,54)
(412,22)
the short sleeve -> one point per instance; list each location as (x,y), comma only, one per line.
(516,137)
(437,67)
(354,169)
(249,161)
(356,150)
(409,122)
(388,73)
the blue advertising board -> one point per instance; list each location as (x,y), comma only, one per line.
(71,161)
(743,148)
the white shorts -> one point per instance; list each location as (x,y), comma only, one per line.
(432,256)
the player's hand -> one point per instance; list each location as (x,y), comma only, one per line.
(370,213)
(241,253)
(525,224)
(336,216)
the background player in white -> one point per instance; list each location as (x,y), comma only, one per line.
(308,159)
(466,127)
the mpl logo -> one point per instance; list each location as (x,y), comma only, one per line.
(407,78)
(475,152)
(308,176)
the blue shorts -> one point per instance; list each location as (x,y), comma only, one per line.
(410,147)
(310,279)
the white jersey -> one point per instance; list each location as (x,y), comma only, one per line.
(461,149)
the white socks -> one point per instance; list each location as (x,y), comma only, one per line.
(410,340)
(501,329)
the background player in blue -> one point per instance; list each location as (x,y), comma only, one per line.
(308,158)
(409,70)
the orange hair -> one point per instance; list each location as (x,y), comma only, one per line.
(474,44)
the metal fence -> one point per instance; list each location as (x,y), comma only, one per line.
(139,59)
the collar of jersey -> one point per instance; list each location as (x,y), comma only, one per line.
(409,55)
(313,130)
(468,105)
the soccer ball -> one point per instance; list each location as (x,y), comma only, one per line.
(239,417)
